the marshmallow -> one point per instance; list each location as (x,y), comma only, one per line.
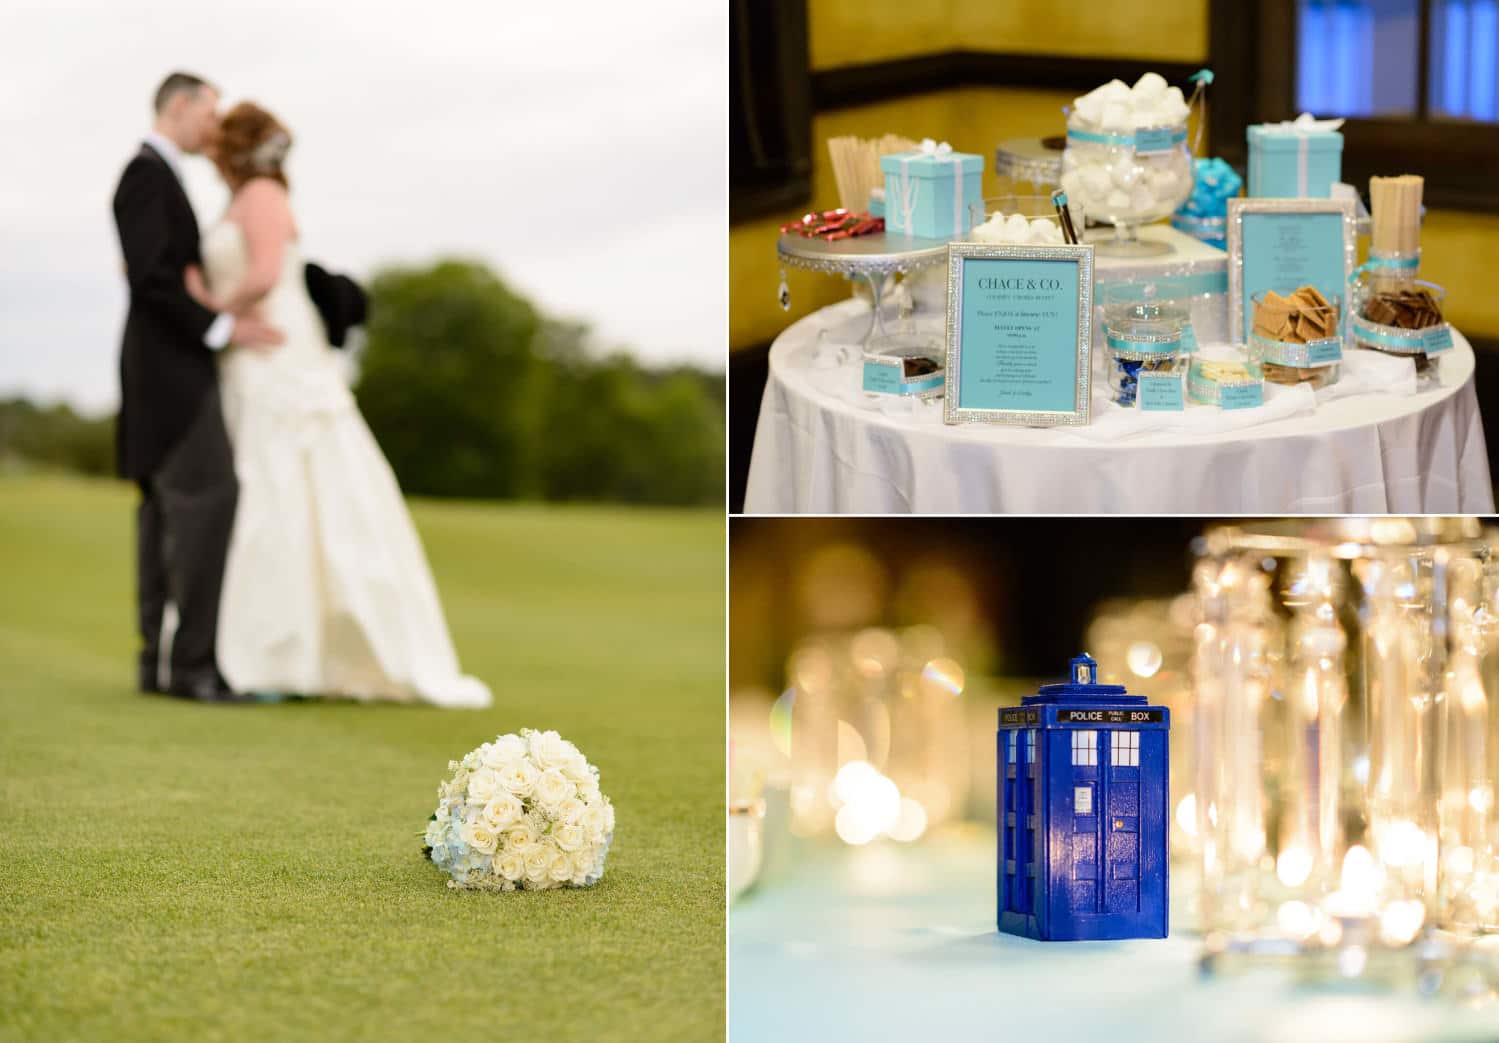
(1015,229)
(1148,87)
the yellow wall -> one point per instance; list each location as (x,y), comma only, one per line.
(852,32)
(1458,248)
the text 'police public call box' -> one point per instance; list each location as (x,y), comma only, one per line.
(1083,812)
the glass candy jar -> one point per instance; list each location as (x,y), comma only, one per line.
(1142,336)
(1307,349)
(1127,179)
(1399,314)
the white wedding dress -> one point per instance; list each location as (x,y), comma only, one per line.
(326,590)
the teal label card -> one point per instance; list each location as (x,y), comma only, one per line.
(1322,354)
(1437,339)
(1153,139)
(1018,341)
(1241,396)
(1189,339)
(884,379)
(1160,392)
(1286,251)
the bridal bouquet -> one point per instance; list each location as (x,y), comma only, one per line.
(523,812)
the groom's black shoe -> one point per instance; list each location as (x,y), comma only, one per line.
(209,689)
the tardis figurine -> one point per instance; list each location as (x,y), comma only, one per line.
(1083,812)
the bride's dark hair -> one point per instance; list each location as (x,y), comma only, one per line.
(251,143)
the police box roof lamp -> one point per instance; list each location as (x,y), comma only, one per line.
(1082,686)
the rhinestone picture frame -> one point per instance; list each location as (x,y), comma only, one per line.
(1238,209)
(953,410)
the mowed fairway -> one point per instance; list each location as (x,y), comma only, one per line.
(175,871)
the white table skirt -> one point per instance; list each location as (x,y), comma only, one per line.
(821,449)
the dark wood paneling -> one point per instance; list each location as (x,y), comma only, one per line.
(854,85)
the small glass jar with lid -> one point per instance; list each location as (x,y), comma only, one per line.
(1142,336)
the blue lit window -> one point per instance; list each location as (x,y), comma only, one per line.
(1084,747)
(1363,58)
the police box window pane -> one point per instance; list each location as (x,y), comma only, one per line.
(1030,745)
(1359,57)
(1124,749)
(1462,82)
(1012,747)
(1084,747)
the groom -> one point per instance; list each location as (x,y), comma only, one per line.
(171,438)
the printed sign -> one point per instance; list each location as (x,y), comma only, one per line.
(1019,332)
(1283,244)
(1110,716)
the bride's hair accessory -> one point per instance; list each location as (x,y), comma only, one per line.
(271,153)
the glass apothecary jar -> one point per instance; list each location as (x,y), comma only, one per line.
(1305,345)
(1141,337)
(1019,219)
(1399,314)
(1127,179)
(1325,659)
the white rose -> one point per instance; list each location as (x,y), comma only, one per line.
(537,860)
(484,785)
(549,750)
(480,836)
(569,837)
(504,810)
(576,766)
(595,824)
(519,777)
(520,836)
(588,789)
(435,830)
(511,866)
(552,788)
(507,749)
(570,811)
(608,818)
(562,867)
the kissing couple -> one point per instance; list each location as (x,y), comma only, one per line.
(270,525)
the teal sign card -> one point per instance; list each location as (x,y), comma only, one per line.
(1160,392)
(1241,396)
(1283,244)
(1437,339)
(1019,334)
(881,378)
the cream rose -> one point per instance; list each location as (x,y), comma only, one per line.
(594,823)
(550,750)
(504,810)
(507,749)
(479,835)
(520,836)
(511,866)
(518,778)
(537,860)
(484,785)
(562,867)
(576,766)
(569,837)
(571,810)
(552,788)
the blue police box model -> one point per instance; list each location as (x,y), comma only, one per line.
(1083,819)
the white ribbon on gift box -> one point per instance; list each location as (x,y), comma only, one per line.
(910,193)
(1303,127)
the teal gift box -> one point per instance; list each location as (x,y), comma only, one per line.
(928,192)
(1294,160)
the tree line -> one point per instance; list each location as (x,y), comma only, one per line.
(473,392)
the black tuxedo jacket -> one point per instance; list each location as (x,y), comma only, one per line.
(165,368)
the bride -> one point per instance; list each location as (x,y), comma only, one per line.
(326,590)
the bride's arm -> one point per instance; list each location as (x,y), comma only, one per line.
(264,213)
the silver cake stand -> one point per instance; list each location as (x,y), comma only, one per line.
(872,257)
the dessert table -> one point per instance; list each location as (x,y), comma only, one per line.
(890,942)
(822,446)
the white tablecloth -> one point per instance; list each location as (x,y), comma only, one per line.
(823,447)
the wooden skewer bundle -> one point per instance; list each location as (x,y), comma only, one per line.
(856,166)
(1395,203)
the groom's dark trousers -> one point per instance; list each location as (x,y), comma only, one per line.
(171,439)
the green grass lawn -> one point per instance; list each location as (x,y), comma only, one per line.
(175,871)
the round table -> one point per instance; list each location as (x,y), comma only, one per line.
(821,447)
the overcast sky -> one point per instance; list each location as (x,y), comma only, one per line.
(579,149)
